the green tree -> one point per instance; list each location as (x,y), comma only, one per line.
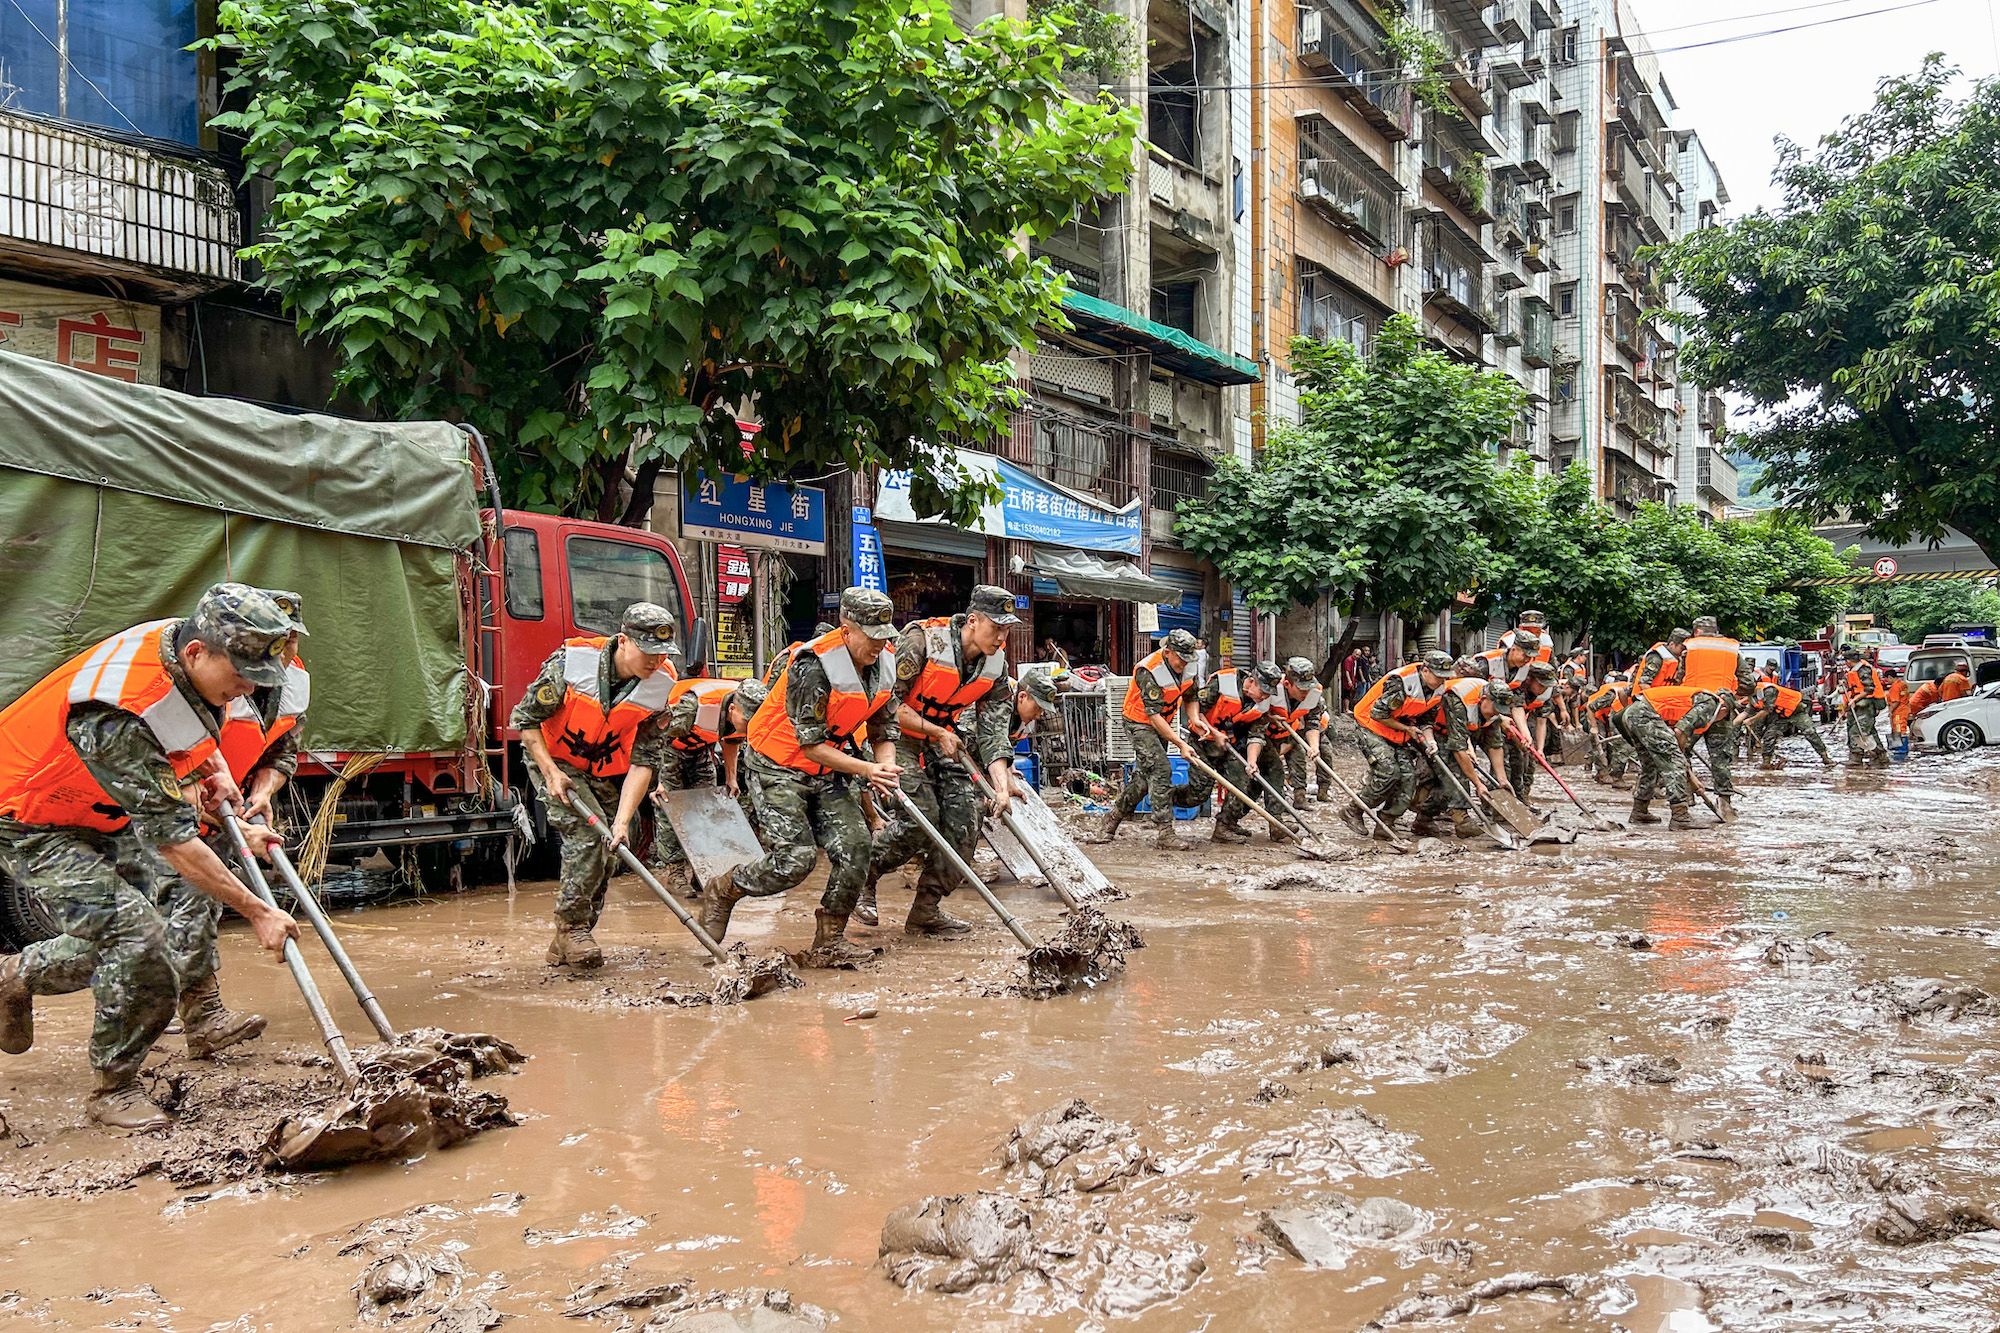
(1380,499)
(1863,315)
(1916,609)
(598,231)
(1557,549)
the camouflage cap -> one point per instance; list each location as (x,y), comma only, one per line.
(869,611)
(292,605)
(996,604)
(750,695)
(246,625)
(1676,634)
(1181,641)
(1541,671)
(822,628)
(1500,697)
(1528,642)
(1270,673)
(1850,653)
(1468,666)
(1437,662)
(649,627)
(1040,686)
(1300,671)
(1531,618)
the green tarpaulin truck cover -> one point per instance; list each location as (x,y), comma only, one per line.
(120,503)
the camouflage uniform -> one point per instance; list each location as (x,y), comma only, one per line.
(937,786)
(105,890)
(680,770)
(1438,792)
(1614,753)
(1864,711)
(1521,765)
(1299,766)
(1153,773)
(1391,783)
(1662,748)
(1225,756)
(586,862)
(803,812)
(1771,728)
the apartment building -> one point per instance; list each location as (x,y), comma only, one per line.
(1366,203)
(1704,474)
(1617,394)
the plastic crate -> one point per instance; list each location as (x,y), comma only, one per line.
(1029,769)
(1181,771)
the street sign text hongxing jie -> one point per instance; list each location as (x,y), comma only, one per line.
(769,516)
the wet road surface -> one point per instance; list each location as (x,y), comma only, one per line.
(1633,1066)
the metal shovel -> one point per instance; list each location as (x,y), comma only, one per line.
(1597,821)
(1349,792)
(1277,826)
(1089,949)
(1442,767)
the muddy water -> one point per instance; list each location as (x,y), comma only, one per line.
(1627,1063)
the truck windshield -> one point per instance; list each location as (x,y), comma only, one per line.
(605,577)
(1924,668)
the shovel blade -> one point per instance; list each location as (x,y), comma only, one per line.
(712,830)
(1514,814)
(1079,873)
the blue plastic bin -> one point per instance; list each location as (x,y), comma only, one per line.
(1029,769)
(1180,770)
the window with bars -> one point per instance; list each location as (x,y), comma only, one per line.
(1178,476)
(1332,313)
(1340,179)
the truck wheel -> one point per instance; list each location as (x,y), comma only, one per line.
(1959,737)
(23,919)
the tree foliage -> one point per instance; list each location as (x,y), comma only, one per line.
(1864,315)
(1916,609)
(1380,498)
(600,230)
(1386,497)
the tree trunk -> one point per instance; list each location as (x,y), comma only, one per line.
(644,482)
(1340,650)
(610,478)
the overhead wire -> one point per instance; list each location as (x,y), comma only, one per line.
(63,56)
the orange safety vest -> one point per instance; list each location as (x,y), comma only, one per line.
(1471,691)
(711,696)
(1788,699)
(1545,653)
(778,663)
(243,737)
(1416,704)
(1297,713)
(1229,710)
(1924,696)
(1172,687)
(1673,701)
(1953,686)
(1855,689)
(939,695)
(849,704)
(42,778)
(1609,700)
(582,733)
(1670,666)
(1708,662)
(1496,667)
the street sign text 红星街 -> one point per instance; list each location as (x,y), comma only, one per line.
(769,516)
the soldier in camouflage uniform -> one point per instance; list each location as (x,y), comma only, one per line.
(689,765)
(573,724)
(1862,702)
(1768,725)
(1303,706)
(1534,699)
(1662,664)
(1446,775)
(949,672)
(742,784)
(834,690)
(1612,755)
(1662,746)
(1157,704)
(1228,726)
(95,765)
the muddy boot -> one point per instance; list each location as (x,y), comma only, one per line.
(1682,821)
(17,1008)
(1350,815)
(928,917)
(678,877)
(1642,812)
(1107,828)
(208,1026)
(1228,832)
(1423,826)
(573,946)
(718,899)
(1384,831)
(831,945)
(1299,801)
(1168,839)
(1324,794)
(120,1103)
(864,908)
(1464,825)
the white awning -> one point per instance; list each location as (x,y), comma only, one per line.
(1081,574)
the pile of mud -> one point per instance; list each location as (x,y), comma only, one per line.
(1090,948)
(412,1096)
(1075,1229)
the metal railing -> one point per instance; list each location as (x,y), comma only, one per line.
(1345,193)
(1458,168)
(1538,331)
(1178,476)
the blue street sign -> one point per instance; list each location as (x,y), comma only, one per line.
(869,569)
(772,516)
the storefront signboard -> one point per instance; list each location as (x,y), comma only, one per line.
(1030,509)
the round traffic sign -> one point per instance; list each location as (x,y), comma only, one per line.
(1885,568)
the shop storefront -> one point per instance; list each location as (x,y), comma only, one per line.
(931,568)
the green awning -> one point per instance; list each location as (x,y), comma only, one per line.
(1182,353)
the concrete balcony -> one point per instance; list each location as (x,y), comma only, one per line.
(77,203)
(1716,475)
(1186,201)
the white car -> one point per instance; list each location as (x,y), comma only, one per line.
(1963,724)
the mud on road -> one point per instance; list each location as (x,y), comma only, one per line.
(1742,1079)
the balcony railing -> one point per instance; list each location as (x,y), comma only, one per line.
(1621,324)
(1538,331)
(156,217)
(1345,195)
(1635,414)
(1339,40)
(1510,19)
(1458,170)
(1716,473)
(1178,476)
(1506,330)
(1454,277)
(1466,73)
(1714,413)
